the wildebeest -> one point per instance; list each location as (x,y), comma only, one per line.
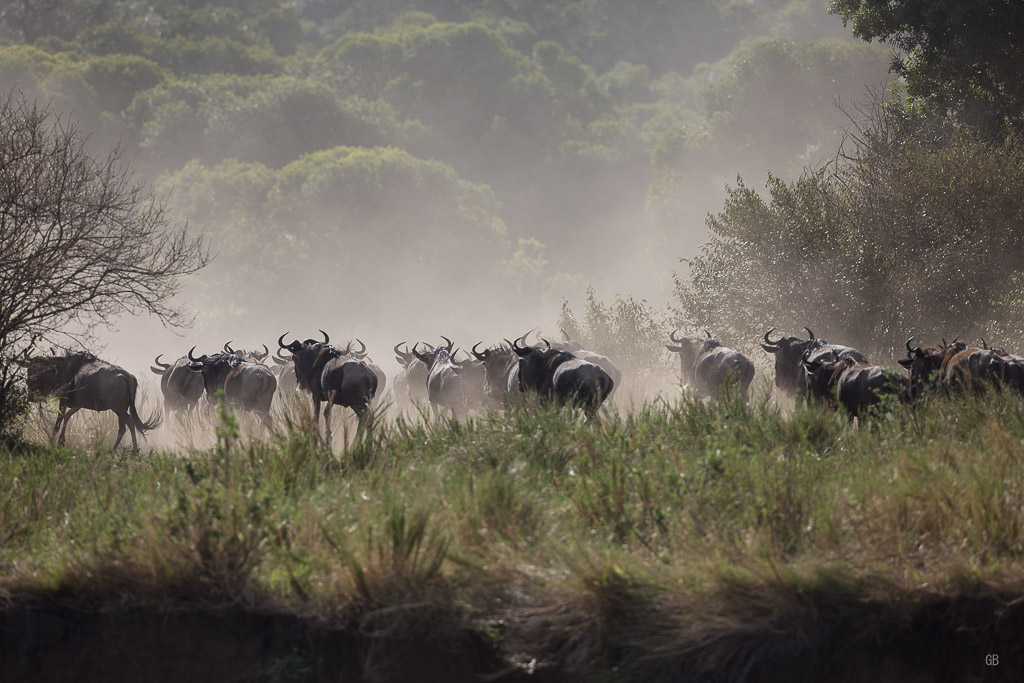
(254,356)
(284,370)
(710,368)
(857,386)
(448,387)
(81,380)
(330,375)
(500,366)
(927,366)
(181,386)
(410,382)
(558,375)
(577,350)
(976,368)
(362,356)
(247,385)
(790,376)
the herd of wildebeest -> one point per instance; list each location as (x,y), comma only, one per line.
(496,378)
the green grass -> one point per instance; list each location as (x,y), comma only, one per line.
(682,530)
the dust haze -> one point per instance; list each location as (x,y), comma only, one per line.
(619,225)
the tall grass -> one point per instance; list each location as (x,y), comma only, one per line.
(703,519)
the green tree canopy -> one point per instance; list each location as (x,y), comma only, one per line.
(963,58)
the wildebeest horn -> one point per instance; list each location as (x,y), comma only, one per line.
(954,340)
(810,333)
(521,351)
(479,356)
(912,350)
(984,345)
(425,359)
(708,334)
(327,340)
(361,352)
(547,344)
(281,360)
(159,368)
(193,358)
(767,340)
(227,347)
(450,343)
(162,365)
(280,341)
(672,336)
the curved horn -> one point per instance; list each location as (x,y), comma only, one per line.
(450,343)
(361,352)
(479,356)
(193,358)
(327,340)
(266,352)
(162,365)
(810,333)
(672,336)
(227,347)
(423,358)
(769,341)
(280,341)
(708,334)
(547,344)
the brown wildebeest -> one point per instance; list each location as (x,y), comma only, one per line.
(709,367)
(81,380)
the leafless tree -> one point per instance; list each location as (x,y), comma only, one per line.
(80,241)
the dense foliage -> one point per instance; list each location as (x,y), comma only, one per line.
(905,235)
(555,108)
(961,59)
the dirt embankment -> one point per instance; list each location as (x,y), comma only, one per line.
(956,640)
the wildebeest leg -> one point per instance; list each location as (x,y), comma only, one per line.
(327,416)
(66,414)
(267,422)
(123,422)
(316,420)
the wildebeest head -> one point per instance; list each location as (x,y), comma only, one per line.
(689,350)
(254,356)
(53,375)
(821,373)
(215,369)
(435,353)
(788,352)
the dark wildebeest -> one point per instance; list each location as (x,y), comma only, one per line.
(447,385)
(181,386)
(247,385)
(710,368)
(501,374)
(927,367)
(330,375)
(558,375)
(361,356)
(410,383)
(857,386)
(790,376)
(577,350)
(1015,366)
(81,380)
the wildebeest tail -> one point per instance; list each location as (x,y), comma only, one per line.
(143,427)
